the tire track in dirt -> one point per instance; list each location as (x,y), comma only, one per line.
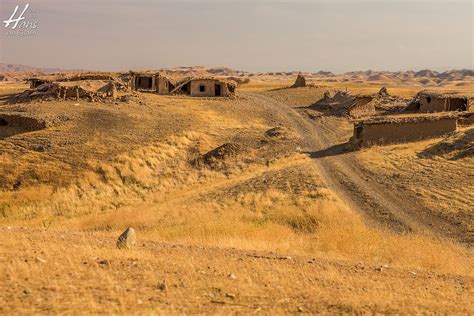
(378,202)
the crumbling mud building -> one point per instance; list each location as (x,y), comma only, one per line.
(152,82)
(392,130)
(431,102)
(205,87)
(90,86)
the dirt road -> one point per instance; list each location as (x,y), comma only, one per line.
(375,198)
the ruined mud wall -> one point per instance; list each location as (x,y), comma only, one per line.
(466,119)
(430,104)
(225,92)
(16,123)
(403,130)
(163,86)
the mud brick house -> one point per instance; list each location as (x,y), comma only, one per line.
(430,102)
(205,87)
(152,82)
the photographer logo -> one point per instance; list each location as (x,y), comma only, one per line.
(21,23)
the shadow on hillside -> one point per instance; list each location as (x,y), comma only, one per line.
(335,150)
(461,143)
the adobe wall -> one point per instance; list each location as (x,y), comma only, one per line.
(210,89)
(162,86)
(399,131)
(24,123)
(466,119)
(435,105)
(224,90)
(154,83)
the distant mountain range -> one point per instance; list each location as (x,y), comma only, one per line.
(15,73)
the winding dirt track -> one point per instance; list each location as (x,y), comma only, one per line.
(379,202)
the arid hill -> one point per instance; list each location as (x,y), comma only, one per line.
(13,73)
(252,204)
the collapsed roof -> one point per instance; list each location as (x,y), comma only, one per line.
(90,86)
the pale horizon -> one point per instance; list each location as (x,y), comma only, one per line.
(258,36)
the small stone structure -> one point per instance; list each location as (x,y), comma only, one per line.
(388,130)
(205,87)
(153,82)
(430,102)
(300,82)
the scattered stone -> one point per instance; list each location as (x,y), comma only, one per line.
(163,286)
(232,276)
(300,309)
(39,259)
(139,301)
(128,239)
(281,132)
(229,295)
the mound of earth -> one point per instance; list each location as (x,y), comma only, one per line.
(220,157)
(459,145)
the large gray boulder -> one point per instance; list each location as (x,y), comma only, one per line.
(128,239)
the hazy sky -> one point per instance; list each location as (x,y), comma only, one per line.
(258,35)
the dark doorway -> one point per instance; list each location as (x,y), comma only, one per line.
(218,90)
(458,104)
(144,83)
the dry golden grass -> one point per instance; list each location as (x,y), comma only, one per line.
(130,193)
(439,174)
(64,272)
(260,202)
